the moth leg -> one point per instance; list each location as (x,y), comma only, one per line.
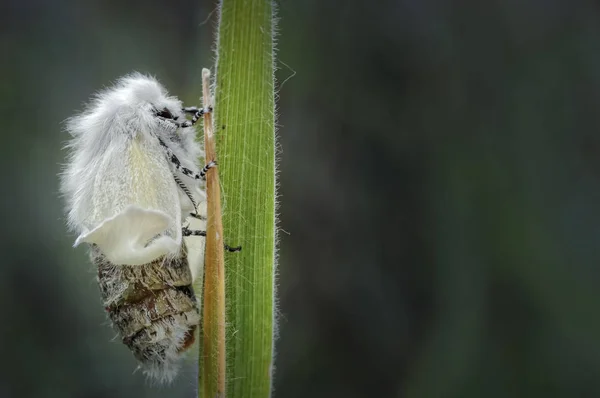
(175,160)
(208,166)
(198,216)
(193,232)
(233,249)
(185,190)
(195,109)
(197,114)
(190,109)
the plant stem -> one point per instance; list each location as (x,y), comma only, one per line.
(214,265)
(245,136)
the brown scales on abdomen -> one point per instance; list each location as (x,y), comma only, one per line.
(153,307)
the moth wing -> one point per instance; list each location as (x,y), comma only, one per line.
(123,238)
(135,208)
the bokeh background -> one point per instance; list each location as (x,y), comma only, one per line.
(440,185)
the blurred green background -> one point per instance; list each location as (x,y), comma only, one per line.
(439,181)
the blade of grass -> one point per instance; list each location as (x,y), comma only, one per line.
(214,265)
(244,121)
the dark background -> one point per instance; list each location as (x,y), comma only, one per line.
(440,185)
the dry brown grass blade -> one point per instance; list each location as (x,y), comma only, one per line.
(214,264)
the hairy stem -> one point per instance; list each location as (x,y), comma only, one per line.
(244,121)
(214,265)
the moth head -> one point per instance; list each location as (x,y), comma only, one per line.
(166,113)
(149,96)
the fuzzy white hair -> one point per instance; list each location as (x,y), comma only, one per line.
(129,182)
(122,192)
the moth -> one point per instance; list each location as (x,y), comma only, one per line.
(132,185)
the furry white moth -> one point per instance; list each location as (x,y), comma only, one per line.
(130,184)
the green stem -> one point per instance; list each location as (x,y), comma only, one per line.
(245,136)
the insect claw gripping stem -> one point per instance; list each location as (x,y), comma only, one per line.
(193,232)
(233,249)
(209,165)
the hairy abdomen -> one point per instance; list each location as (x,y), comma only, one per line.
(153,307)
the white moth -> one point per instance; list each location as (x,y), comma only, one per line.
(130,183)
